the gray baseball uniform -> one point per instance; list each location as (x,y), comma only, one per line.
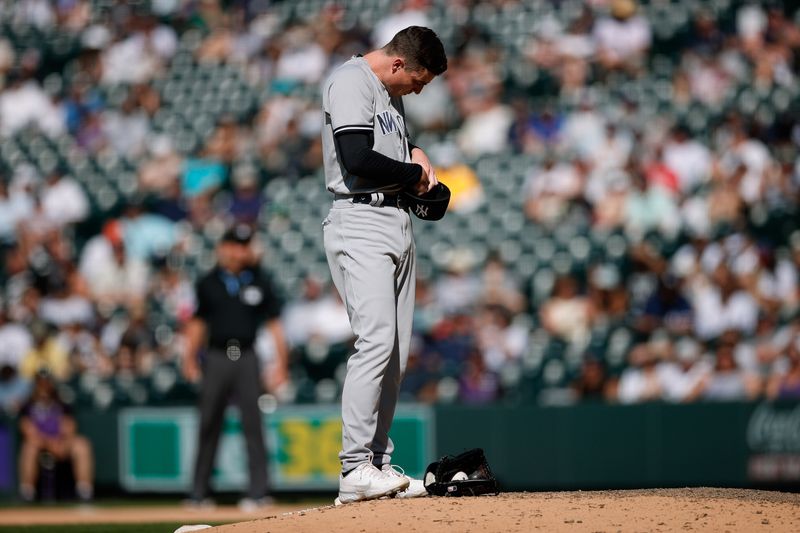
(371,255)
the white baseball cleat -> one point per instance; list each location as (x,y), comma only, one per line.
(416,488)
(366,482)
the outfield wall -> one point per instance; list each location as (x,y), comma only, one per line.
(578,447)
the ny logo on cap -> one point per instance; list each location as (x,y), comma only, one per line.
(422,211)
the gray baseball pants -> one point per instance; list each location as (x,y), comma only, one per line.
(240,381)
(372,258)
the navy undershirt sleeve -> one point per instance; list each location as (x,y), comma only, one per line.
(359,159)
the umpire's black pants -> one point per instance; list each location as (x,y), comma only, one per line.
(240,380)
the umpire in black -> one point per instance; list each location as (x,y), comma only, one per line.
(234,301)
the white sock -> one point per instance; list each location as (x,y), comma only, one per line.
(27,491)
(85,490)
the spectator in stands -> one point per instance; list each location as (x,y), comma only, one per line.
(726,381)
(622,39)
(773,280)
(73,16)
(658,174)
(48,427)
(14,390)
(128,128)
(567,314)
(585,127)
(500,342)
(452,340)
(427,311)
(538,132)
(721,304)
(135,353)
(422,375)
(317,316)
(649,208)
(230,141)
(458,289)
(269,127)
(614,150)
(641,381)
(15,340)
(45,354)
(763,353)
(301,59)
(162,170)
(24,103)
(705,37)
(786,385)
(36,228)
(406,13)
(749,161)
(499,286)
(141,54)
(432,109)
(708,80)
(688,158)
(610,209)
(220,42)
(608,295)
(86,354)
(476,88)
(11,212)
(550,190)
(146,234)
(114,278)
(593,383)
(7,56)
(170,203)
(23,305)
(171,290)
(64,201)
(246,199)
(50,262)
(666,307)
(66,301)
(684,373)
(477,384)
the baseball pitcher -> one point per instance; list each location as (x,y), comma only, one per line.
(369,163)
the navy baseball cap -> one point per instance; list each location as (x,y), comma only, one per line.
(240,234)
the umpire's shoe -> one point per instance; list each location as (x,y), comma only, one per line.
(416,488)
(366,482)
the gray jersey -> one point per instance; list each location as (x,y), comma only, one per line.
(354,99)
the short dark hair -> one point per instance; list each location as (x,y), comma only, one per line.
(420,47)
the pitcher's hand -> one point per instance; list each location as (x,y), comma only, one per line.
(428,180)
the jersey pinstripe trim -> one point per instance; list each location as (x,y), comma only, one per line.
(343,129)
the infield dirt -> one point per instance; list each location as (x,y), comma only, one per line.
(609,511)
(697,509)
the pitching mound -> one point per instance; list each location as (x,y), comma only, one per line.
(721,510)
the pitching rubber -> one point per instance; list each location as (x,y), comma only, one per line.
(195,527)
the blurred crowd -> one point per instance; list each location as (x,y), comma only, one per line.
(704,306)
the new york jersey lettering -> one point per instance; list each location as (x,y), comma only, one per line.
(389,123)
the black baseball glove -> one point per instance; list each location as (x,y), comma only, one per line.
(472,474)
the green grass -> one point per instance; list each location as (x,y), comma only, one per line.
(163,527)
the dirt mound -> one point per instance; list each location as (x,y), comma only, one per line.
(731,510)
